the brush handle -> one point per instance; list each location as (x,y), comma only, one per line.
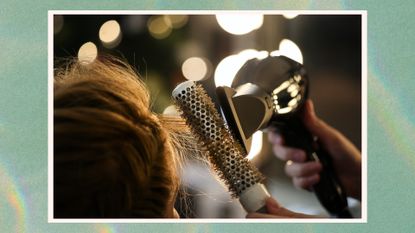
(253,199)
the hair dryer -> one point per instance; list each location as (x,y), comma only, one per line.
(272,92)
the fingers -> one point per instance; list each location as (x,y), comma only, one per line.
(345,156)
(283,152)
(289,153)
(306,182)
(275,138)
(304,175)
(276,211)
(303,169)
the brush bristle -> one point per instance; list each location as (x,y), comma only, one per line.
(225,153)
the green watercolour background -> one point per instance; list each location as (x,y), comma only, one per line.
(24,125)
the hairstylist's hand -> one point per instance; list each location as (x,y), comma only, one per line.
(346,157)
(275,210)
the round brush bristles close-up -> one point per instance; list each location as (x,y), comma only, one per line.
(225,153)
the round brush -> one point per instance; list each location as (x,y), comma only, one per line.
(225,154)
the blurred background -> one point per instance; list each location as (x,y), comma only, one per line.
(169,49)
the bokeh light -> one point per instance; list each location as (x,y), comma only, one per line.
(227,68)
(256,145)
(290,15)
(289,49)
(58,22)
(110,34)
(190,48)
(160,27)
(240,24)
(195,69)
(134,24)
(177,21)
(252,53)
(275,53)
(87,53)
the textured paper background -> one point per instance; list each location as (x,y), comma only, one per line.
(23,116)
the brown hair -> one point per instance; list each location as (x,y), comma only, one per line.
(113,157)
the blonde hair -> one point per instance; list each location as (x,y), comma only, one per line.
(113,157)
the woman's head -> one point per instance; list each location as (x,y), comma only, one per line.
(112,155)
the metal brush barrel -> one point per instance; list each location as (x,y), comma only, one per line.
(225,154)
